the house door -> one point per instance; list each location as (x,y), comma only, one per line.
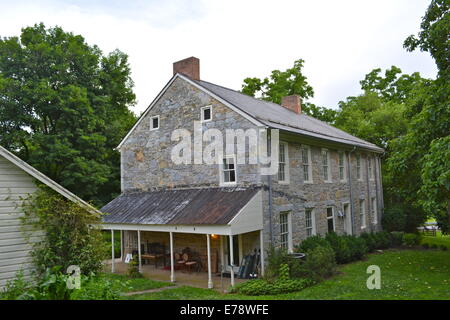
(348,218)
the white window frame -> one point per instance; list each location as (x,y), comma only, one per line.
(370,168)
(222,171)
(373,207)
(359,175)
(313,223)
(330,218)
(285,147)
(309,163)
(287,232)
(151,123)
(202,115)
(362,213)
(329,178)
(343,166)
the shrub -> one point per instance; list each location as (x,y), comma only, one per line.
(425,245)
(16,289)
(411,239)
(320,263)
(311,243)
(97,288)
(68,238)
(382,240)
(340,246)
(443,247)
(433,246)
(278,257)
(357,246)
(133,269)
(369,240)
(396,238)
(260,287)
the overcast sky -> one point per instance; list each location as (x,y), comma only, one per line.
(340,41)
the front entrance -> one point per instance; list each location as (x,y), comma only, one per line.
(348,218)
(236,252)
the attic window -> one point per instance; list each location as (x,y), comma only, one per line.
(206,114)
(154,123)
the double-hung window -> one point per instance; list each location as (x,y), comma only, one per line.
(358,167)
(374,210)
(330,219)
(342,169)
(310,222)
(285,230)
(229,170)
(370,167)
(306,163)
(283,163)
(326,165)
(362,213)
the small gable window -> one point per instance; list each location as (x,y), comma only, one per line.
(154,123)
(229,170)
(206,114)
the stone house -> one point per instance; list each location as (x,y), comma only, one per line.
(327,180)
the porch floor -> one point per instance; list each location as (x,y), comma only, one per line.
(193,279)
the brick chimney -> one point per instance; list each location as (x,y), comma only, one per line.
(189,67)
(293,103)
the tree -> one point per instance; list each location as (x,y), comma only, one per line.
(286,83)
(417,159)
(64,106)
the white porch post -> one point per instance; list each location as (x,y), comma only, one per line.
(172,269)
(261,248)
(112,252)
(121,245)
(231,260)
(139,250)
(208,246)
(222,255)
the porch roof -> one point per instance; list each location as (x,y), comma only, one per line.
(206,206)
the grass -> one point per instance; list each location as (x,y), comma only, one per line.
(438,240)
(405,274)
(137,284)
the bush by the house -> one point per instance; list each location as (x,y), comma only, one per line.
(396,238)
(320,263)
(357,246)
(69,238)
(411,239)
(283,284)
(278,257)
(133,269)
(52,285)
(311,243)
(402,217)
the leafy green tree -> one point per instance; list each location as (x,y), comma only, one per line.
(417,159)
(64,106)
(285,83)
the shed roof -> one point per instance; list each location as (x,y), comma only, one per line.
(206,206)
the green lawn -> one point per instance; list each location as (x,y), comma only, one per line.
(405,274)
(137,284)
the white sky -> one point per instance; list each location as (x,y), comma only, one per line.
(340,41)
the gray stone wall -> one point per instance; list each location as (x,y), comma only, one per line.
(298,195)
(146,155)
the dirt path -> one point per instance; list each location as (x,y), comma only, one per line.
(127,294)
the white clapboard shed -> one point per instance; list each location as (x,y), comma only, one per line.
(17,181)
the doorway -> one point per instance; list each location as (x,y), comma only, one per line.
(348,218)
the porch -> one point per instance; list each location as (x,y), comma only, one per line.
(205,232)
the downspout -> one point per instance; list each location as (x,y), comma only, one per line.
(269,180)
(349,166)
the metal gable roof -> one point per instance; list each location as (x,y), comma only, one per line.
(276,116)
(206,206)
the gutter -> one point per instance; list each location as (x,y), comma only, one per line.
(350,187)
